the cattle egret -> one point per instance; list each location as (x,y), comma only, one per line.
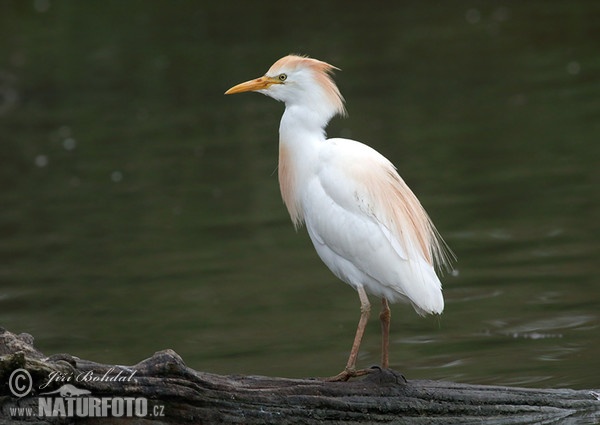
(365,223)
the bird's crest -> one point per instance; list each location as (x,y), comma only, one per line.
(322,72)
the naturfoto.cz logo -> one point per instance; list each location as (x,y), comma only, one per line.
(70,401)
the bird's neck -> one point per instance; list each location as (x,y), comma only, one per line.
(301,133)
(300,119)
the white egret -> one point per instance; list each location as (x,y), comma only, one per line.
(365,223)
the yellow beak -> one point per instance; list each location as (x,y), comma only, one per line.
(253,85)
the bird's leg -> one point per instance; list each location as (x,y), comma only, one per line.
(385,316)
(350,370)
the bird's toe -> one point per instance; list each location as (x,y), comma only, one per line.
(346,374)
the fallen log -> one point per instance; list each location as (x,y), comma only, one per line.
(163,390)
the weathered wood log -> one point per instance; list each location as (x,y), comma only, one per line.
(175,393)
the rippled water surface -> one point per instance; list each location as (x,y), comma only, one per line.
(139,207)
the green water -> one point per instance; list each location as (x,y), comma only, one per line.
(140,209)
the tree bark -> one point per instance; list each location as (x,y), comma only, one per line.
(176,394)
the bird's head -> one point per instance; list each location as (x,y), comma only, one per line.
(300,81)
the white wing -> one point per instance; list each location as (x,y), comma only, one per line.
(369,228)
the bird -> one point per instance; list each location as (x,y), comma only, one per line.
(365,223)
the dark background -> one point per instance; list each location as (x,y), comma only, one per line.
(139,207)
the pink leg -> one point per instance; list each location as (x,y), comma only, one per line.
(350,370)
(385,316)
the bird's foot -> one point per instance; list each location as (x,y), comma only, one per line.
(348,373)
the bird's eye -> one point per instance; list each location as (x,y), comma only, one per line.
(282,77)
